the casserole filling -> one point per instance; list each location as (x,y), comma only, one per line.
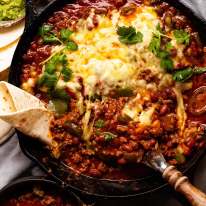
(118,77)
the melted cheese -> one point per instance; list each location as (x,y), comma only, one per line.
(103,61)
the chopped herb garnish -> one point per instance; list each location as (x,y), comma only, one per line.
(50,68)
(108,136)
(182,37)
(60,94)
(155,47)
(45,29)
(199,70)
(51,39)
(71,45)
(167,64)
(185,74)
(65,34)
(168,46)
(48,80)
(66,73)
(158,28)
(60,106)
(99,123)
(163,54)
(128,35)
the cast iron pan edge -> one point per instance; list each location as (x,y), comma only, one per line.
(25,184)
(88,185)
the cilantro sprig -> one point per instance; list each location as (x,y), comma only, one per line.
(129,35)
(185,74)
(163,53)
(99,123)
(108,136)
(182,37)
(48,36)
(56,68)
(51,69)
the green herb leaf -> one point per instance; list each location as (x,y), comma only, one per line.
(167,64)
(155,45)
(168,46)
(158,28)
(108,136)
(60,94)
(61,58)
(65,34)
(66,73)
(199,70)
(71,45)
(183,75)
(51,39)
(125,31)
(48,80)
(182,36)
(128,35)
(162,54)
(99,123)
(50,68)
(45,29)
(60,106)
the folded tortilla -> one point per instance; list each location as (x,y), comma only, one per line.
(25,112)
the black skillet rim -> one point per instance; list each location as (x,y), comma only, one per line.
(37,180)
(13,78)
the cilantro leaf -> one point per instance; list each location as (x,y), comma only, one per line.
(128,35)
(167,64)
(60,94)
(182,37)
(50,68)
(158,28)
(162,54)
(65,34)
(48,80)
(71,45)
(45,29)
(60,106)
(108,136)
(183,75)
(168,46)
(51,39)
(155,45)
(66,73)
(199,70)
(61,58)
(125,31)
(99,123)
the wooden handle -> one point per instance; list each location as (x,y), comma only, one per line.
(182,185)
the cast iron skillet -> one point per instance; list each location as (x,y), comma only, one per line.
(25,185)
(34,150)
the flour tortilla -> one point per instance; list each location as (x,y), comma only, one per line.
(24,112)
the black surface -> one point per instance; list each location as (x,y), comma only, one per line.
(25,185)
(90,184)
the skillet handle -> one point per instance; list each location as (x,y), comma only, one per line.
(182,185)
(34,8)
